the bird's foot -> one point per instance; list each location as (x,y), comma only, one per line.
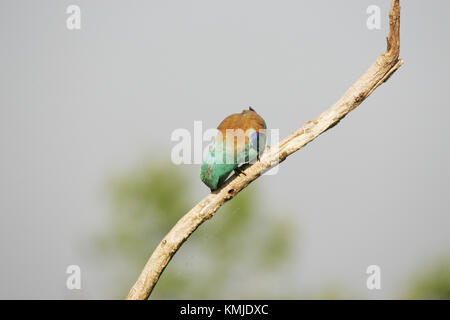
(239,171)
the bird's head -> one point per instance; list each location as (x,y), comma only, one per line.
(248,111)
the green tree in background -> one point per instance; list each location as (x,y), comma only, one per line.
(433,282)
(243,252)
(240,253)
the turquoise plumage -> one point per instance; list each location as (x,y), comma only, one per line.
(241,139)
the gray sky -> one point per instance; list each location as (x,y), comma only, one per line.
(76,106)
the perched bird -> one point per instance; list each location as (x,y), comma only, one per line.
(241,139)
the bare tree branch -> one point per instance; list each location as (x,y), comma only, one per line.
(383,67)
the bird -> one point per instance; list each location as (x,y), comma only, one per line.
(241,139)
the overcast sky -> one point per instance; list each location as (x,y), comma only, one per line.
(77,106)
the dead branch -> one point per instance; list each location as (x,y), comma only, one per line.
(383,67)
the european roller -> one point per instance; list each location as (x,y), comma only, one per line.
(241,139)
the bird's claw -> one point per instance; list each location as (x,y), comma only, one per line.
(239,171)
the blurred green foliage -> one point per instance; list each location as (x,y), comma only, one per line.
(433,282)
(229,256)
(240,253)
